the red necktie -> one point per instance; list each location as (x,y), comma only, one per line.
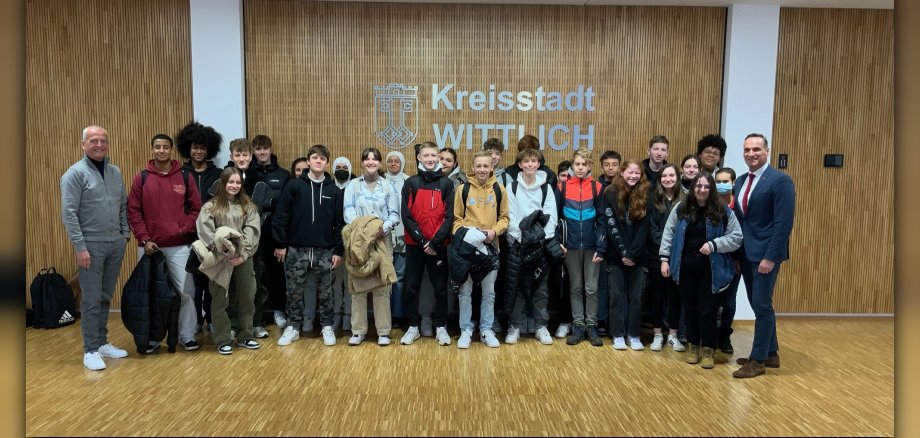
(747,191)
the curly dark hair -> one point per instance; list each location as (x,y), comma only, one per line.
(713,140)
(196,133)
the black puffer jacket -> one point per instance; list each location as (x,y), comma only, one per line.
(150,304)
(532,256)
(465,260)
(274,175)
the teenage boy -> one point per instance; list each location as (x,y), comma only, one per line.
(657,158)
(496,149)
(528,196)
(198,145)
(610,165)
(710,149)
(484,208)
(163,208)
(308,240)
(427,212)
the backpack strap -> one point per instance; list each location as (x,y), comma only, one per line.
(497,188)
(464,194)
(544,188)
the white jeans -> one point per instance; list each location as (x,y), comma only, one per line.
(177,256)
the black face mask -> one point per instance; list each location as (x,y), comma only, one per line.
(341,175)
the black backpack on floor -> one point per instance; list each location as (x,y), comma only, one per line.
(52,300)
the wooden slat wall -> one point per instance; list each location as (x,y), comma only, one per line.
(835,94)
(311,68)
(124,65)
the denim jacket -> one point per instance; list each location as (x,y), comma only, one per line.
(724,240)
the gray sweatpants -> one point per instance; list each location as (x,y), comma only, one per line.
(97,285)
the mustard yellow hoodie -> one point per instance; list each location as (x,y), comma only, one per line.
(480,208)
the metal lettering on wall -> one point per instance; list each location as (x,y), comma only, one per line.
(395,134)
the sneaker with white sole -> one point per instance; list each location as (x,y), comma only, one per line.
(109,350)
(259,332)
(249,345)
(543,336)
(443,336)
(619,343)
(488,337)
(280,318)
(675,344)
(289,335)
(466,336)
(191,345)
(427,328)
(513,334)
(657,342)
(411,335)
(562,331)
(93,361)
(328,336)
(636,344)
(225,349)
(383,340)
(355,340)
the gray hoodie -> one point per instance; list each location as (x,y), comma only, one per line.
(93,208)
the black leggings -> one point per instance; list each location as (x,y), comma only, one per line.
(700,303)
(664,294)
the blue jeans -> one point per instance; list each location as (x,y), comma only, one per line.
(486,308)
(98,285)
(396,299)
(760,294)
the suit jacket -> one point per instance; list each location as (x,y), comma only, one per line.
(768,222)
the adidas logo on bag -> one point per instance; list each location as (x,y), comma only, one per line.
(65,318)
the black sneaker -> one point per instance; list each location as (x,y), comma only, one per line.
(250,344)
(602,328)
(191,345)
(595,337)
(578,333)
(725,345)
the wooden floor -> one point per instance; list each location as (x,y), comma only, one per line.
(837,378)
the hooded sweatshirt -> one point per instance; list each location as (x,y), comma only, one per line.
(162,209)
(526,201)
(342,160)
(457,177)
(272,174)
(481,207)
(204,179)
(398,180)
(309,214)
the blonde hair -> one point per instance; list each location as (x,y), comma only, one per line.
(585,154)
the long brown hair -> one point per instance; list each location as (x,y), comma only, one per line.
(635,198)
(714,208)
(659,192)
(221,201)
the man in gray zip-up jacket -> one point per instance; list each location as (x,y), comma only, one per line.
(94,212)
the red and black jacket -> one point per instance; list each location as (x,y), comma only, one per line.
(428,208)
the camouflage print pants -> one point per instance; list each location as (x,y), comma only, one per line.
(310,267)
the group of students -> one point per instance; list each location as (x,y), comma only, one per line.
(342,238)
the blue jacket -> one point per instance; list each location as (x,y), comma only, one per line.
(768,222)
(579,204)
(724,239)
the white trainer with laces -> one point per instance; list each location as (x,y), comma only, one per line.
(466,336)
(328,336)
(657,342)
(109,350)
(383,340)
(93,361)
(259,332)
(280,318)
(675,344)
(512,336)
(562,331)
(411,335)
(635,343)
(290,335)
(356,340)
(443,336)
(543,336)
(619,343)
(488,338)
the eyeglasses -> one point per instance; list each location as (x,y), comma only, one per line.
(711,152)
(702,187)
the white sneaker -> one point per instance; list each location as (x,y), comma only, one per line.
(531,326)
(675,344)
(290,335)
(259,332)
(109,350)
(635,343)
(513,334)
(443,337)
(466,336)
(427,327)
(355,340)
(543,336)
(328,336)
(93,361)
(562,331)
(280,318)
(657,342)
(383,341)
(619,343)
(410,336)
(488,338)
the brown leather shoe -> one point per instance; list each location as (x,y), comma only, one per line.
(771,362)
(751,369)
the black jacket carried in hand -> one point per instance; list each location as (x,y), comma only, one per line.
(150,304)
(466,261)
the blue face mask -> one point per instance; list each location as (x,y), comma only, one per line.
(724,188)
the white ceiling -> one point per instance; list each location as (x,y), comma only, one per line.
(857,4)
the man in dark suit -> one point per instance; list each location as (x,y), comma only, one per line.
(765,206)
